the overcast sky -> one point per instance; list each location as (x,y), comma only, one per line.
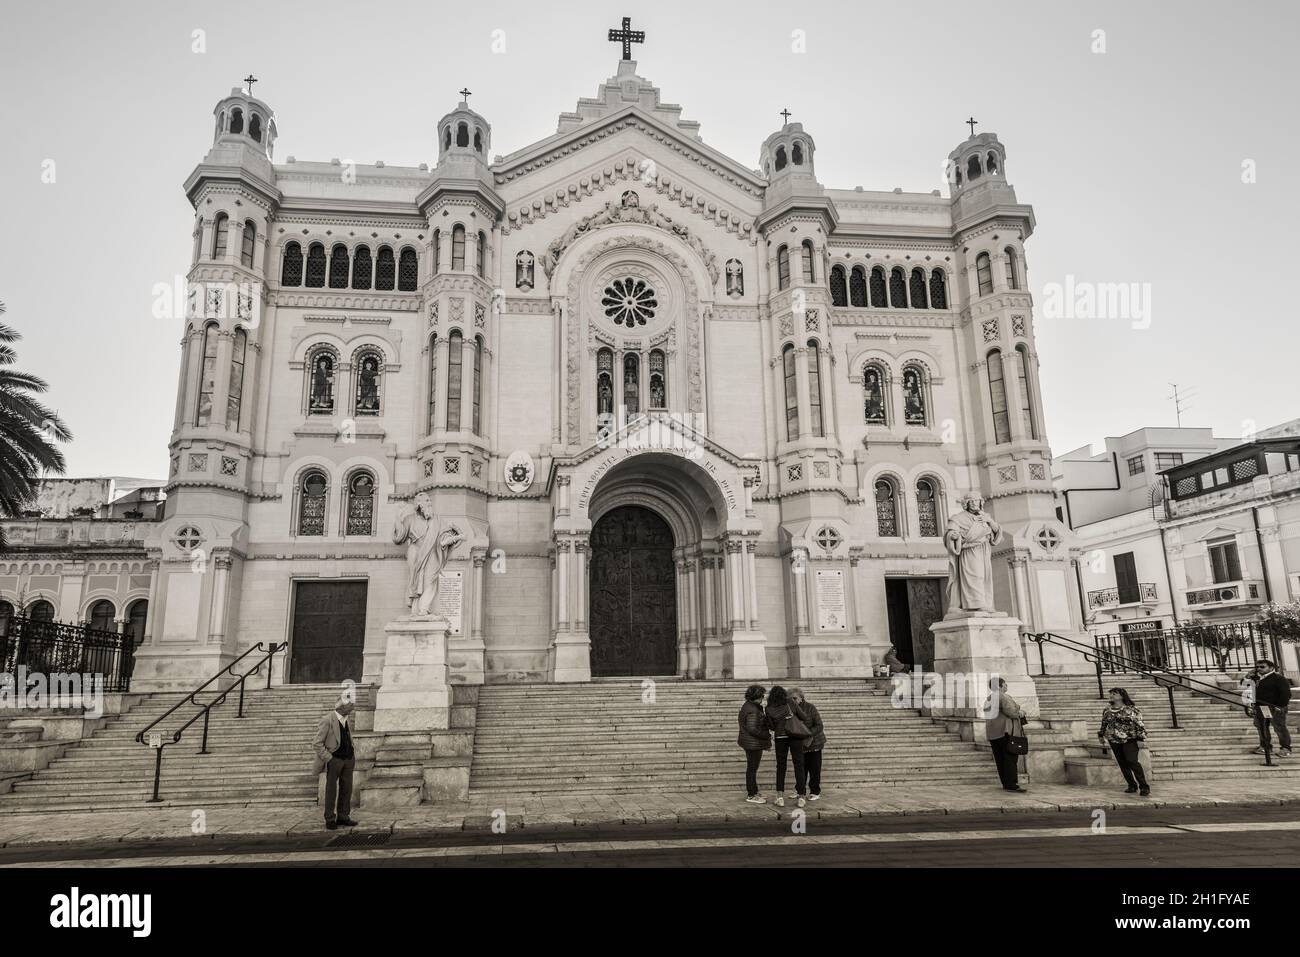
(1132,159)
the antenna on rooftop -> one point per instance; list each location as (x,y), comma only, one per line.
(1182,401)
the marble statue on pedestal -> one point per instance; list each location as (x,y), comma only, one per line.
(428,546)
(969,538)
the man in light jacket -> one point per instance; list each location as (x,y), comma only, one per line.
(1008,719)
(336,757)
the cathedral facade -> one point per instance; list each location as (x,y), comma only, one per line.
(688,417)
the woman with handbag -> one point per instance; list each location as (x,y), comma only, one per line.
(791,732)
(1122,729)
(755,737)
(1006,733)
(813,747)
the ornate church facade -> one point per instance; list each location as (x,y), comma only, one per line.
(689,418)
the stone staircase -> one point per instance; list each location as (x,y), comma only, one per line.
(1213,740)
(602,737)
(262,758)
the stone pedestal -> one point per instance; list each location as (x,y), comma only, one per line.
(987,646)
(744,656)
(571,657)
(466,660)
(415,694)
(830,656)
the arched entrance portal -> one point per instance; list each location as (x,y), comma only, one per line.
(633,594)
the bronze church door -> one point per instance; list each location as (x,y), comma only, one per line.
(329,632)
(633,617)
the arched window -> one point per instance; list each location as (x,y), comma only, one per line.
(916,290)
(914,412)
(839,287)
(454,369)
(40,610)
(247,243)
(796,153)
(1026,397)
(938,290)
(478,140)
(991,164)
(604,383)
(478,382)
(362,268)
(998,398)
(897,288)
(433,382)
(235,391)
(321,367)
(462,134)
(101,616)
(313,494)
(780,158)
(207,375)
(339,266)
(927,509)
(878,297)
(632,383)
(973,168)
(886,509)
(480,255)
(783,268)
(815,389)
(446,139)
(291,268)
(408,270)
(458,248)
(255,127)
(385,269)
(370,370)
(437,251)
(236,120)
(791,395)
(6,616)
(137,614)
(198,240)
(984,273)
(658,380)
(316,266)
(809,275)
(1013,273)
(858,286)
(360,506)
(873,395)
(220,236)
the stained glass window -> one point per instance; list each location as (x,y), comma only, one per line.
(433,382)
(478,375)
(235,396)
(629,302)
(998,398)
(791,395)
(913,396)
(927,509)
(886,510)
(207,375)
(632,384)
(605,382)
(312,496)
(361,505)
(1026,397)
(815,389)
(658,381)
(369,367)
(321,386)
(873,395)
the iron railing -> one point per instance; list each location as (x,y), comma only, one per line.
(1106,660)
(157,740)
(1236,646)
(55,647)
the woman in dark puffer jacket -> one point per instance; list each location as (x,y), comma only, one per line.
(812,748)
(755,738)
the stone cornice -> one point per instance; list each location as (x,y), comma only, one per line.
(210,177)
(341,299)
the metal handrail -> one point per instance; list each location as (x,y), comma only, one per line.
(205,711)
(1165,679)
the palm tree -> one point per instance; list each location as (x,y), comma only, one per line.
(28,430)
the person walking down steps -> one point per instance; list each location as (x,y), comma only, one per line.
(1123,730)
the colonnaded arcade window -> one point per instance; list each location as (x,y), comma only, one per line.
(897,288)
(879,299)
(316,266)
(291,269)
(362,268)
(385,270)
(839,287)
(408,271)
(360,507)
(938,290)
(916,289)
(313,493)
(101,616)
(339,266)
(858,286)
(6,615)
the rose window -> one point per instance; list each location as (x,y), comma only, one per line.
(629,302)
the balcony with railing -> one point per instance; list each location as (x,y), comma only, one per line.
(1102,598)
(1225,595)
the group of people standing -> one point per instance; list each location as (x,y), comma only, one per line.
(796,726)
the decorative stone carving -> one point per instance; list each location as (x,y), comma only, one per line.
(621,214)
(519,471)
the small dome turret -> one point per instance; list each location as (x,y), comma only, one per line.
(981,157)
(462,132)
(244,119)
(788,152)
